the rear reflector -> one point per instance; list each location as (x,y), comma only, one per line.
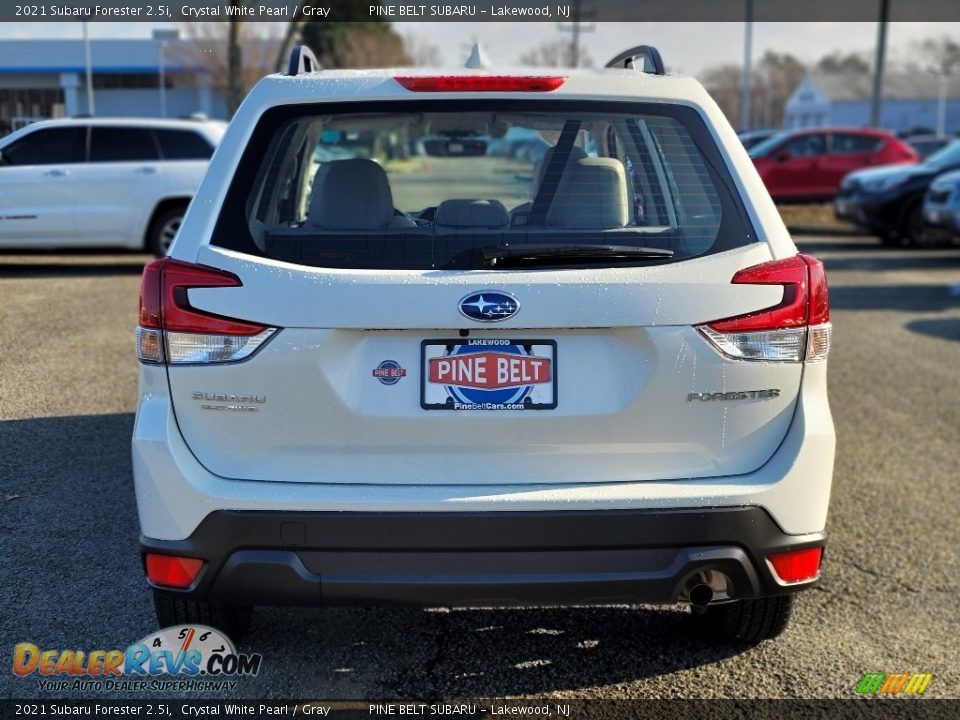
(796,566)
(796,329)
(773,345)
(172,571)
(174,332)
(182,348)
(481,83)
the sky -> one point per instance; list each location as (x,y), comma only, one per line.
(686,47)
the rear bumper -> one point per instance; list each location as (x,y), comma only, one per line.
(871,213)
(483,558)
(175,493)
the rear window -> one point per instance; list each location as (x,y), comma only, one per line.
(421,185)
(50,146)
(183,145)
(853,143)
(122,144)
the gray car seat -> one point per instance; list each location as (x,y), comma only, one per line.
(592,194)
(353,194)
(519,214)
(477,214)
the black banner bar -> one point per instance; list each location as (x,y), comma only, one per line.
(477,11)
(558,709)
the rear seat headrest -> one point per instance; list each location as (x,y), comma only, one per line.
(592,194)
(472,213)
(351,194)
(576,153)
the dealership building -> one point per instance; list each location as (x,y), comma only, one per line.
(162,76)
(910,100)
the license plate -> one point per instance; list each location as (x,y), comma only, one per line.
(488,374)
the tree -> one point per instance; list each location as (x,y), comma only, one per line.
(422,52)
(292,31)
(234,63)
(555,53)
(777,76)
(837,62)
(939,55)
(232,55)
(349,42)
(724,83)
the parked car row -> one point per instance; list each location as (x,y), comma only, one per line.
(891,201)
(897,188)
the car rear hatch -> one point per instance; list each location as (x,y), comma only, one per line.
(430,350)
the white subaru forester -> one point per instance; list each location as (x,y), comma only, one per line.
(483,338)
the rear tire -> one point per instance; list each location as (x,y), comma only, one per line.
(164,228)
(747,621)
(914,230)
(231,620)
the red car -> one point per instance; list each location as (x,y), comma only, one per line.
(807,165)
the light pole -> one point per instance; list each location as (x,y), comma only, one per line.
(747,62)
(877,97)
(577,26)
(162,72)
(91,110)
(942,106)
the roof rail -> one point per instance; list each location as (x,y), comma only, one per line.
(302,60)
(651,57)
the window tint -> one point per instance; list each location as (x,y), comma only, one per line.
(806,145)
(765,147)
(183,145)
(53,146)
(122,144)
(380,189)
(948,156)
(847,143)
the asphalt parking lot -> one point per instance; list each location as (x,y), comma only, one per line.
(70,570)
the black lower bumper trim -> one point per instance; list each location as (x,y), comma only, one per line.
(500,558)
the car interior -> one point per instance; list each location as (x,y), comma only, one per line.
(328,182)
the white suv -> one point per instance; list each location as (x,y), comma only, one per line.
(101,182)
(387,362)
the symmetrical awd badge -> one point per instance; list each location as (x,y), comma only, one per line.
(489,306)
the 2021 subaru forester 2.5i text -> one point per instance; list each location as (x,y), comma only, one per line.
(386,362)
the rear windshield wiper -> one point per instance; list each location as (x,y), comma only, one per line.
(569,254)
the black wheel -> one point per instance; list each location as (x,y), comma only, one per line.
(231,620)
(914,230)
(748,621)
(164,229)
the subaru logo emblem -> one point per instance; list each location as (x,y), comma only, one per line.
(489,306)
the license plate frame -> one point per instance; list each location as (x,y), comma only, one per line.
(539,395)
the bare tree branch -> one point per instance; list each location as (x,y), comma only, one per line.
(555,53)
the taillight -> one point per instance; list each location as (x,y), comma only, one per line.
(796,566)
(172,571)
(796,329)
(481,83)
(174,332)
